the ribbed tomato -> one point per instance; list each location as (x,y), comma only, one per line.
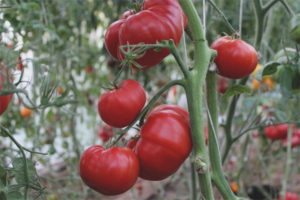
(120,107)
(158,20)
(236,59)
(109,171)
(165,143)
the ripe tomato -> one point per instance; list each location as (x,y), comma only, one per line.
(4,100)
(234,187)
(236,59)
(164,144)
(105,133)
(295,141)
(223,84)
(59,90)
(158,20)
(120,107)
(25,112)
(109,171)
(290,196)
(276,132)
(20,64)
(88,69)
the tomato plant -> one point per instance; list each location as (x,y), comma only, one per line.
(4,100)
(109,171)
(160,20)
(165,143)
(25,112)
(236,59)
(119,107)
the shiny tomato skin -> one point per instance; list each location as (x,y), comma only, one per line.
(179,110)
(236,59)
(164,145)
(290,196)
(120,107)
(111,171)
(158,20)
(4,100)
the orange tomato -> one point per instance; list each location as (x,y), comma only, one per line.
(255,84)
(59,90)
(25,112)
(234,187)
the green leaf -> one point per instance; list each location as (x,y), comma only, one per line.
(286,76)
(237,89)
(14,196)
(270,68)
(18,171)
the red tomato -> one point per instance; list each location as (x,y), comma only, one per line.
(295,141)
(132,143)
(4,100)
(111,171)
(276,132)
(296,132)
(170,107)
(120,107)
(290,196)
(158,20)
(236,59)
(88,69)
(20,64)
(164,144)
(223,84)
(105,133)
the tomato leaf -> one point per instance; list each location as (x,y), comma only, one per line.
(237,89)
(286,82)
(270,68)
(15,195)
(18,171)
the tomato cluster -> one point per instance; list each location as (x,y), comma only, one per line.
(158,20)
(235,59)
(163,145)
(4,100)
(279,132)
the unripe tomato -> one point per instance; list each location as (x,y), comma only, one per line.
(236,59)
(109,171)
(4,100)
(164,145)
(25,112)
(290,196)
(120,107)
(158,20)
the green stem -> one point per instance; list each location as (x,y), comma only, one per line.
(194,92)
(288,163)
(193,180)
(26,177)
(222,15)
(259,17)
(229,119)
(213,146)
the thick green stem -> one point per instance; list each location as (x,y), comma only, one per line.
(194,91)
(194,98)
(259,17)
(213,146)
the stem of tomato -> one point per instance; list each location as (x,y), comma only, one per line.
(213,146)
(194,92)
